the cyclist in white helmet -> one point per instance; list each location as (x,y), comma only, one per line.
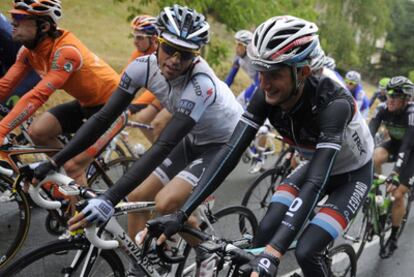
(354,85)
(243,38)
(318,117)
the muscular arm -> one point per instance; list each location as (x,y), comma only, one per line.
(67,61)
(92,129)
(332,121)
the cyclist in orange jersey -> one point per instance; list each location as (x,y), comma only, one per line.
(146,108)
(63,62)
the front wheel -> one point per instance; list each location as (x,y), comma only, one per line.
(341,261)
(66,258)
(258,196)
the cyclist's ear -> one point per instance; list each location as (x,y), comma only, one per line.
(45,27)
(304,72)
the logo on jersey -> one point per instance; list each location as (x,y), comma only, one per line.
(125,81)
(185,106)
(209,94)
(358,143)
(68,67)
(196,86)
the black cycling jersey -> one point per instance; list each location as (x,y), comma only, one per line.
(400,126)
(323,125)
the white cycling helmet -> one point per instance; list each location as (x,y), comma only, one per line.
(353,76)
(329,63)
(400,85)
(317,58)
(244,37)
(183,27)
(40,8)
(282,40)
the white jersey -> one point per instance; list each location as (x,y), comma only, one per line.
(198,94)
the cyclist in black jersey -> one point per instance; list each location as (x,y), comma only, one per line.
(397,114)
(317,116)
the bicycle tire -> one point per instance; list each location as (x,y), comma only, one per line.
(242,213)
(340,250)
(109,173)
(58,253)
(15,211)
(358,230)
(258,195)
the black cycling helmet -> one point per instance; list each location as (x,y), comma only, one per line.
(400,85)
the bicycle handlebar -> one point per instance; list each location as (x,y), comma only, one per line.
(55,177)
(91,234)
(136,124)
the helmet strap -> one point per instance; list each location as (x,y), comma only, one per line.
(296,84)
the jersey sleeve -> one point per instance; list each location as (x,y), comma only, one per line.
(407,143)
(200,93)
(332,123)
(15,74)
(376,120)
(233,72)
(136,75)
(66,60)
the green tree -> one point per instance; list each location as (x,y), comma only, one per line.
(398,55)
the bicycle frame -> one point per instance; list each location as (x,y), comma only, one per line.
(112,228)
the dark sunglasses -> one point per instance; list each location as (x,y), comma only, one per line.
(173,50)
(396,94)
(20,17)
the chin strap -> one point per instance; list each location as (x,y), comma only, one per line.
(296,84)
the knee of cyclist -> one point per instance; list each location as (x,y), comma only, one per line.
(137,196)
(166,206)
(36,135)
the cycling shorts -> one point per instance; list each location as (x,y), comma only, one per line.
(71,115)
(407,170)
(187,161)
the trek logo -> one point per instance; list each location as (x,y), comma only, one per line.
(186,106)
(358,143)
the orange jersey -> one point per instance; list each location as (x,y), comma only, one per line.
(63,63)
(146,97)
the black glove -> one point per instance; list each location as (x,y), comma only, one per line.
(43,169)
(265,264)
(167,224)
(393,179)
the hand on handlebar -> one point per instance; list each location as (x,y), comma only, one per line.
(392,181)
(42,170)
(166,226)
(264,265)
(97,210)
